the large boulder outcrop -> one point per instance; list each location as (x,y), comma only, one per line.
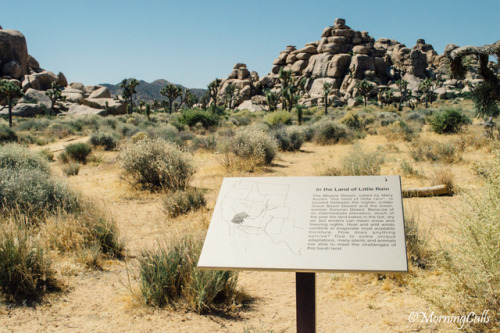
(40,81)
(76,109)
(24,110)
(13,48)
(112,106)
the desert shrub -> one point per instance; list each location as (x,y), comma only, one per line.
(448,121)
(156,164)
(360,163)
(353,121)
(47,154)
(251,148)
(71,168)
(329,132)
(444,176)
(58,130)
(25,272)
(472,260)
(400,130)
(208,143)
(191,117)
(78,151)
(169,276)
(288,138)
(126,129)
(16,157)
(34,124)
(428,150)
(181,202)
(387,118)
(103,139)
(308,132)
(7,134)
(278,118)
(407,169)
(166,132)
(33,192)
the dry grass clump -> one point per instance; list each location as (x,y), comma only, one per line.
(90,231)
(400,130)
(181,202)
(71,168)
(417,243)
(168,276)
(471,261)
(7,134)
(25,271)
(360,163)
(407,169)
(433,151)
(444,176)
(249,149)
(156,164)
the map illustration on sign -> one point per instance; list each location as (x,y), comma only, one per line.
(307,224)
(254,209)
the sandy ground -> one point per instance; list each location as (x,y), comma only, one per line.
(106,301)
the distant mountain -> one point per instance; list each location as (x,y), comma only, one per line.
(149,92)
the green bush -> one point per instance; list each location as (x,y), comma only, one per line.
(329,132)
(157,164)
(78,151)
(191,117)
(360,163)
(278,118)
(25,272)
(103,139)
(7,134)
(169,276)
(181,202)
(448,121)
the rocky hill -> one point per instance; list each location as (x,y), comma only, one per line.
(343,57)
(150,92)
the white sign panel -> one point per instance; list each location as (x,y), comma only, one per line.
(307,224)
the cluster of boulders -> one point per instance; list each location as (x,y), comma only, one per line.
(17,66)
(343,57)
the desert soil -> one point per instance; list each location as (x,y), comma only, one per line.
(106,300)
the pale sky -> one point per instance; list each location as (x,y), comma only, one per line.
(193,42)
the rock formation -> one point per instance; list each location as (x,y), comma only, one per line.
(343,57)
(24,70)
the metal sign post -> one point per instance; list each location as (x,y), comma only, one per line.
(305,289)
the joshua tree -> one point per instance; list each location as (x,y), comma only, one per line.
(171,92)
(205,99)
(364,89)
(290,88)
(148,110)
(128,91)
(327,88)
(385,97)
(141,105)
(229,95)
(10,91)
(300,111)
(213,91)
(55,95)
(486,95)
(403,88)
(427,88)
(272,99)
(191,99)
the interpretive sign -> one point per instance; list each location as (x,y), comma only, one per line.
(307,224)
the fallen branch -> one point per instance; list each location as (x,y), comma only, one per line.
(431,191)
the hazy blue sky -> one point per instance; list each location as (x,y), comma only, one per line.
(193,42)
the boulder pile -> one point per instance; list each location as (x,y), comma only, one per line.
(19,67)
(343,57)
